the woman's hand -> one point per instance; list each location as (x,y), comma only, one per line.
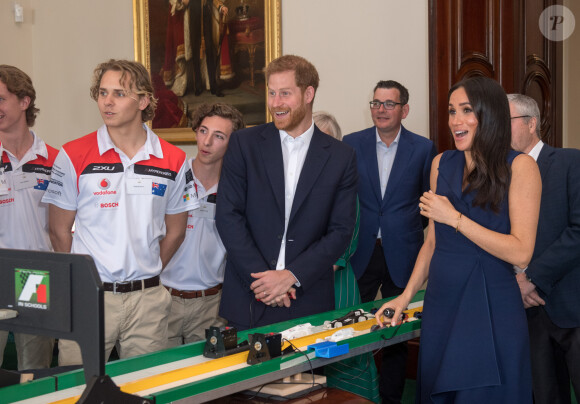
(438,208)
(398,304)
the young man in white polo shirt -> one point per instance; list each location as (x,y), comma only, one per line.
(25,165)
(128,193)
(195,274)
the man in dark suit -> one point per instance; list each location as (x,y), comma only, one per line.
(550,285)
(393,166)
(286,206)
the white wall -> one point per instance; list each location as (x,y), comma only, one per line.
(354,45)
(16,38)
(69,39)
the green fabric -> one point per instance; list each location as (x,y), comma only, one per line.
(359,374)
(346,292)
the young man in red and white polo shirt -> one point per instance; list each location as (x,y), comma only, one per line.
(128,193)
(25,165)
(195,274)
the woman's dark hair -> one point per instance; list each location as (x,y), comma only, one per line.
(491,173)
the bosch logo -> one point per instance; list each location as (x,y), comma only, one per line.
(109,205)
(104,183)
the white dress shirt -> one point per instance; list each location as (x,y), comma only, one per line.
(535,152)
(293,153)
(386,158)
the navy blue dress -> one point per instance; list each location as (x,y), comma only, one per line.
(474,335)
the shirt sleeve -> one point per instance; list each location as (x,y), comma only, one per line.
(62,190)
(183,196)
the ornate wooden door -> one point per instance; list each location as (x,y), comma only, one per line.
(500,39)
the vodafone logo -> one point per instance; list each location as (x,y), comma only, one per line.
(104,183)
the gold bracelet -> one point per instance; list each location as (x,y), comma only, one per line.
(458,221)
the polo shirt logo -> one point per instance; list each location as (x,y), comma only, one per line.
(6,166)
(36,168)
(188,176)
(104,183)
(32,288)
(155,171)
(158,189)
(41,184)
(103,168)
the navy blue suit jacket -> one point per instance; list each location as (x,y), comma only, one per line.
(250,221)
(397,213)
(555,265)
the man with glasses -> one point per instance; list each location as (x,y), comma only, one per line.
(551,282)
(393,166)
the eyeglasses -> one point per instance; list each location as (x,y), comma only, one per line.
(521,116)
(386,104)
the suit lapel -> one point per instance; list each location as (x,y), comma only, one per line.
(271,151)
(402,158)
(369,148)
(316,158)
(545,160)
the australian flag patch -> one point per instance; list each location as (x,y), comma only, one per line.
(41,184)
(158,189)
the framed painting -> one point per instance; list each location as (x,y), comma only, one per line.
(206,51)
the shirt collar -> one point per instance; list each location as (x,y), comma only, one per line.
(396,141)
(199,185)
(305,137)
(38,148)
(152,145)
(535,152)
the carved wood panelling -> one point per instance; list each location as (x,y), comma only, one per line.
(498,39)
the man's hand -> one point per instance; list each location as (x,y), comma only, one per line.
(284,300)
(274,288)
(530,295)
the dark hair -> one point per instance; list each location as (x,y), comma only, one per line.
(20,84)
(403,92)
(225,111)
(491,173)
(138,77)
(305,73)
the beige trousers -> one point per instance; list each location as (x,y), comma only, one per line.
(135,322)
(32,351)
(190,317)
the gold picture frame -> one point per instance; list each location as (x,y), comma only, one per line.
(143,53)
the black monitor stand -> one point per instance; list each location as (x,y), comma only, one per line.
(58,295)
